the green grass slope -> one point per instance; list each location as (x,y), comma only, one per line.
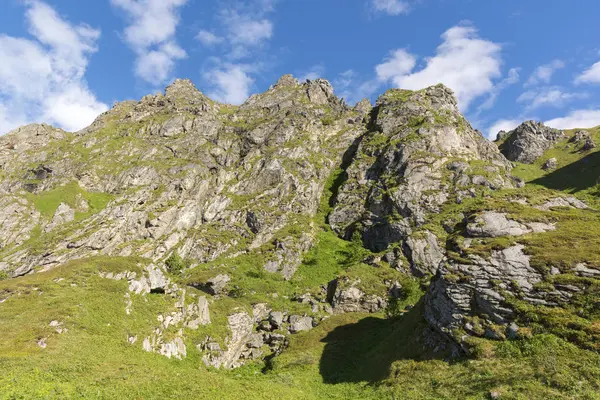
(350,356)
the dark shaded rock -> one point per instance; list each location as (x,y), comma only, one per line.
(253,222)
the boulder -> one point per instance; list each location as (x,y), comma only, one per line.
(276,319)
(300,324)
(589,144)
(494,224)
(218,284)
(550,164)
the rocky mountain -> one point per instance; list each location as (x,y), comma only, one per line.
(178,229)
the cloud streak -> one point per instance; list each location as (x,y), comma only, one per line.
(391,7)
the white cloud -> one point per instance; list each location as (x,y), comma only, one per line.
(244,31)
(231,83)
(512,78)
(464,62)
(591,75)
(503,125)
(151,34)
(548,96)
(400,63)
(208,38)
(543,73)
(577,119)
(43,79)
(155,66)
(391,7)
(314,72)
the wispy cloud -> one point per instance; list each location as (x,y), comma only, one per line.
(512,78)
(42,79)
(391,7)
(151,35)
(231,83)
(243,30)
(543,74)
(208,38)
(552,96)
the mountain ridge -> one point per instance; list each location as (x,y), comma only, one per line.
(228,235)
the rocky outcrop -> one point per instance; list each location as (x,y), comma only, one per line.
(529,141)
(346,296)
(417,157)
(494,224)
(463,293)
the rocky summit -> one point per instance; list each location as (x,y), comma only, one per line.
(298,247)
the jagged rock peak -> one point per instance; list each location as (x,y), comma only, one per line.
(182,87)
(287,80)
(288,92)
(529,141)
(439,96)
(364,106)
(320,91)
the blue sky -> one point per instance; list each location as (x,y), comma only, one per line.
(64,62)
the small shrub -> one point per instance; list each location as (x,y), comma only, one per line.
(175,263)
(328,120)
(393,308)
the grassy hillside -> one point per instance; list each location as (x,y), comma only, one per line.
(350,356)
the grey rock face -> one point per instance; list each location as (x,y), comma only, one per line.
(63,214)
(502,135)
(399,174)
(218,284)
(241,326)
(182,167)
(424,253)
(460,292)
(529,141)
(494,224)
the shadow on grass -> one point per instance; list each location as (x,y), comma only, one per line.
(580,175)
(364,351)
